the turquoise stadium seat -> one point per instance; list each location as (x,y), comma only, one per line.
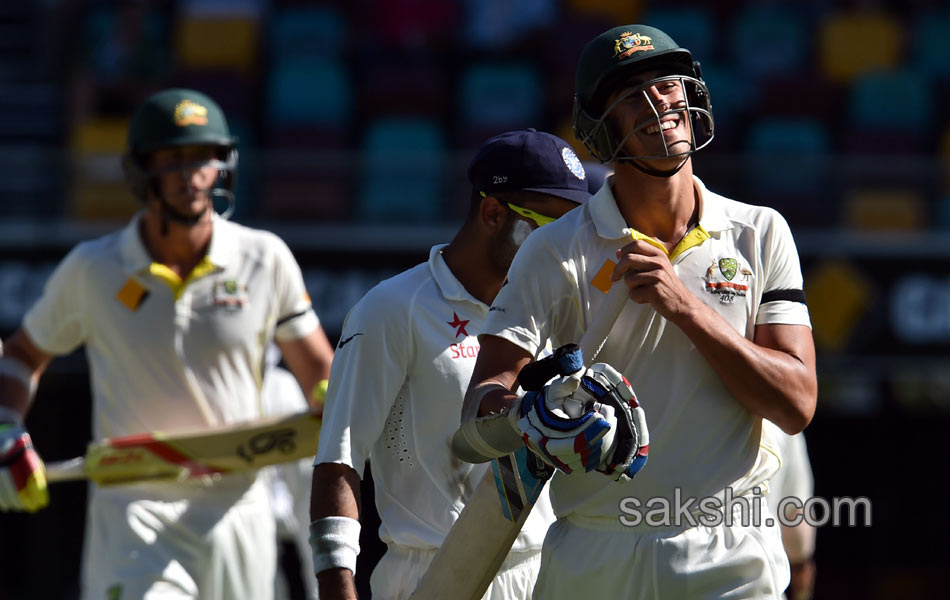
(930,46)
(402,170)
(499,97)
(892,100)
(308,93)
(788,136)
(767,40)
(307,32)
(789,167)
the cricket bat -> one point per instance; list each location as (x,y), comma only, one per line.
(188,455)
(481,538)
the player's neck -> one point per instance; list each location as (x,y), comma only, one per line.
(661,207)
(178,246)
(466,258)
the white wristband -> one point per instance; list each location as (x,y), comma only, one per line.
(335,542)
(16,370)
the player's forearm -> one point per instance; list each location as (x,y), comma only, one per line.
(335,492)
(22,365)
(778,385)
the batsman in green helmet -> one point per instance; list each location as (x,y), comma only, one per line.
(611,78)
(178,139)
(715,338)
(175,312)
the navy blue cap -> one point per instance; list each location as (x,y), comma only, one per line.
(529,160)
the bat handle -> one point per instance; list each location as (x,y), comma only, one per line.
(66,470)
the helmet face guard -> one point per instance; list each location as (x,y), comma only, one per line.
(600,136)
(608,64)
(141,179)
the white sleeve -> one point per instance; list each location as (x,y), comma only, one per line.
(538,303)
(369,370)
(58,322)
(783,296)
(295,317)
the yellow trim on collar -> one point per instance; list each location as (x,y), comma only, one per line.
(694,237)
(175,282)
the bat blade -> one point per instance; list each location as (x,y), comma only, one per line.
(481,537)
(178,456)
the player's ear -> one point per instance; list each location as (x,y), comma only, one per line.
(493,213)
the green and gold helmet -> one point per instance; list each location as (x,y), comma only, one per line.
(179,117)
(609,62)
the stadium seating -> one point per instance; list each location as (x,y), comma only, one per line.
(99,191)
(496,97)
(930,45)
(306,32)
(402,171)
(767,40)
(198,43)
(851,44)
(308,103)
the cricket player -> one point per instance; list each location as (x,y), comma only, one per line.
(175,312)
(715,338)
(404,360)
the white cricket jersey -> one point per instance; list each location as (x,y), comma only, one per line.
(740,260)
(400,372)
(171,357)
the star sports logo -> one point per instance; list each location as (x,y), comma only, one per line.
(459,324)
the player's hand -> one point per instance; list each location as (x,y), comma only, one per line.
(650,279)
(560,425)
(628,451)
(22,474)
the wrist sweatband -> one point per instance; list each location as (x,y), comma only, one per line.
(319,391)
(16,370)
(335,542)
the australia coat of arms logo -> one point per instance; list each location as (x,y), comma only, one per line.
(720,279)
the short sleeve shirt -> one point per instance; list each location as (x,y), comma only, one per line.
(166,357)
(740,260)
(401,369)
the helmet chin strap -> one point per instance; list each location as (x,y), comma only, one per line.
(655,172)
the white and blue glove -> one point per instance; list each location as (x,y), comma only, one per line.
(587,420)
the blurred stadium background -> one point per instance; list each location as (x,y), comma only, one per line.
(357,120)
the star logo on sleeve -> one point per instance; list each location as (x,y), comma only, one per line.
(459,324)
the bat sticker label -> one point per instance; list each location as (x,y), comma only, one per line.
(282,440)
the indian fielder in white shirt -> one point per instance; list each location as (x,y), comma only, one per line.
(715,338)
(175,311)
(403,362)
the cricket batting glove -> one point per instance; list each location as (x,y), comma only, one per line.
(22,474)
(588,420)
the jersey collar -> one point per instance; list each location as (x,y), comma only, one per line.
(135,258)
(450,287)
(609,222)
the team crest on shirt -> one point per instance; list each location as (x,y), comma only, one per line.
(229,294)
(721,279)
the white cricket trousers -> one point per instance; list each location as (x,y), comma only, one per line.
(601,560)
(180,542)
(401,567)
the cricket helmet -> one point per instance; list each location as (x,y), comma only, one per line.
(608,63)
(179,117)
